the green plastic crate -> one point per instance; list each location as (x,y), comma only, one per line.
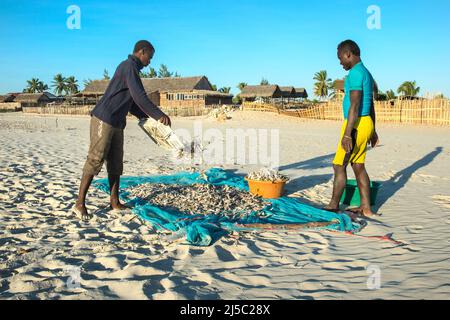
(351,197)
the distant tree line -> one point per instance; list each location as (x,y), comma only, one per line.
(61,85)
(69,85)
(324,88)
(163,72)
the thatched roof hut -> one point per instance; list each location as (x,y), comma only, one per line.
(200,92)
(9,97)
(339,85)
(301,93)
(287,92)
(262,91)
(177,84)
(35,98)
(98,87)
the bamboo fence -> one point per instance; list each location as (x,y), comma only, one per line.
(63,109)
(10,107)
(186,111)
(426,111)
(256,106)
(60,109)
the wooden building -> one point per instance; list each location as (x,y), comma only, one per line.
(300,93)
(168,92)
(294,94)
(273,93)
(264,93)
(9,97)
(35,99)
(287,92)
(7,103)
(339,86)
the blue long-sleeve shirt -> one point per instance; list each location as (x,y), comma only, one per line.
(125,93)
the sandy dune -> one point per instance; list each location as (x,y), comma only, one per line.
(46,253)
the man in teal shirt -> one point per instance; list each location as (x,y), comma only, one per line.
(358,129)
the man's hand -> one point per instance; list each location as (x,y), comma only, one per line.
(165,120)
(374,141)
(347,143)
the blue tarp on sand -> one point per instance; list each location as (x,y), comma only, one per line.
(203,230)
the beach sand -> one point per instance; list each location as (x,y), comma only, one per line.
(47,253)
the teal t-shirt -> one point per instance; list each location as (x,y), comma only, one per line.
(359,78)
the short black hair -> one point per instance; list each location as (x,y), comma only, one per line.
(143,44)
(349,45)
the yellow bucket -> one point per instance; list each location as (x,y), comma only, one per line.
(266,189)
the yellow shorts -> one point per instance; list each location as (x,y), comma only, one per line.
(361,134)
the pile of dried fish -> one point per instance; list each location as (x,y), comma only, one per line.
(267,175)
(202,199)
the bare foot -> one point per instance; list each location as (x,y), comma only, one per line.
(367,212)
(81,211)
(118,206)
(331,208)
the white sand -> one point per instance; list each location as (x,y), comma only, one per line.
(41,160)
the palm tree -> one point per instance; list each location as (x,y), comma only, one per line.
(164,72)
(332,90)
(32,86)
(35,85)
(143,74)
(152,73)
(71,85)
(390,95)
(87,82)
(408,88)
(225,89)
(241,85)
(106,75)
(42,87)
(237,99)
(380,96)
(214,87)
(59,83)
(264,82)
(322,85)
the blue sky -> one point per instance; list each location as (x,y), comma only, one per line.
(284,41)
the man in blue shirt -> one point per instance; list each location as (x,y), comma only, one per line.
(358,129)
(125,93)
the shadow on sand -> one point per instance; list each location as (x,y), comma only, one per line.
(311,164)
(390,187)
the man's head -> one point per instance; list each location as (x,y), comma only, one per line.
(144,51)
(348,54)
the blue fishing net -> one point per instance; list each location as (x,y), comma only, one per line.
(203,230)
